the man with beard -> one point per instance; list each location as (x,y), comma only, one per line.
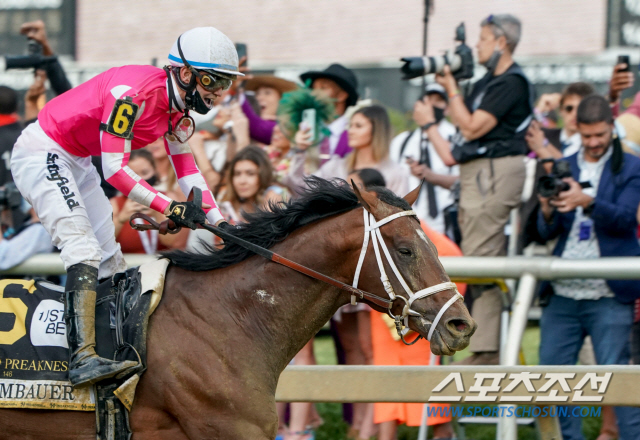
(594,217)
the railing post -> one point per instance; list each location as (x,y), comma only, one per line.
(508,427)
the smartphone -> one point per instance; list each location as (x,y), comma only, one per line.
(624,59)
(309,118)
(241,48)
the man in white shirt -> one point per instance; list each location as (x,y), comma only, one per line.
(415,150)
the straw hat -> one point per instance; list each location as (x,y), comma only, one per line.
(281,85)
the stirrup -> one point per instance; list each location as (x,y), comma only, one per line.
(94,369)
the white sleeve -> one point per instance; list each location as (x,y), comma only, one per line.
(32,240)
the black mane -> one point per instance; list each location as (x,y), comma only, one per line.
(321,199)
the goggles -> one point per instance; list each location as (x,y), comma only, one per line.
(211,82)
(207,80)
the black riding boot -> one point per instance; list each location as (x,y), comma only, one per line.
(85,366)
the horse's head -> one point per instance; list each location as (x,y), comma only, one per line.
(423,292)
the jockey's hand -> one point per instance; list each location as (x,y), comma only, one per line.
(227,227)
(186,214)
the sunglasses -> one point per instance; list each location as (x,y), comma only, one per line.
(492,21)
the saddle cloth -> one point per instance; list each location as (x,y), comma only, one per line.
(34,353)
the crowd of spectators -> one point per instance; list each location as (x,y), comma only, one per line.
(470,152)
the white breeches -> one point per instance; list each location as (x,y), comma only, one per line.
(65,192)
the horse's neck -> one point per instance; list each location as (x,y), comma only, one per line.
(298,306)
(256,315)
(280,310)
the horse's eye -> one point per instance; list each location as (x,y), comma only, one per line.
(405,251)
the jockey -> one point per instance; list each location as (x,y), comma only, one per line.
(122,109)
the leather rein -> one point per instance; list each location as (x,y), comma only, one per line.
(168,227)
(371,232)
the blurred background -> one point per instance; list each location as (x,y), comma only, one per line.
(562,42)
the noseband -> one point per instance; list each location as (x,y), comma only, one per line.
(372,229)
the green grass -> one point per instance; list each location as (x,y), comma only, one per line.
(334,428)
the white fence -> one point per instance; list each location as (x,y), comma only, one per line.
(415,384)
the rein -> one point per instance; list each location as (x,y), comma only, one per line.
(165,227)
(371,229)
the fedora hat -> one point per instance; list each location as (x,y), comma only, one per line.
(339,74)
(281,85)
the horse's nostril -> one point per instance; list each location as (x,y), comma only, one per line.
(459,325)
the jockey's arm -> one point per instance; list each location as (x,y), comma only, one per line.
(189,176)
(116,149)
(115,157)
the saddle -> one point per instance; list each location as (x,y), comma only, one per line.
(34,352)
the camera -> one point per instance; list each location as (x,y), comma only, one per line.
(460,60)
(10,197)
(552,184)
(33,60)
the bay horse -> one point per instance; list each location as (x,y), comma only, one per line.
(230,321)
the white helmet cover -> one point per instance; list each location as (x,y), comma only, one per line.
(206,48)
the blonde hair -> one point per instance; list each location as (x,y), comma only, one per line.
(381,133)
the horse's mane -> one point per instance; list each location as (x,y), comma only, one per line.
(320,199)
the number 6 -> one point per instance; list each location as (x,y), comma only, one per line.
(121,122)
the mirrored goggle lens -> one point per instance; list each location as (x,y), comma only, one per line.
(212,82)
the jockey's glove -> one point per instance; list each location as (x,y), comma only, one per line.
(227,227)
(186,214)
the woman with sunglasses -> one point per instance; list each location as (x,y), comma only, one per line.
(556,143)
(120,110)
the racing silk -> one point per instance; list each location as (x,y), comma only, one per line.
(73,120)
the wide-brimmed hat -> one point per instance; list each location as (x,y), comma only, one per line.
(342,76)
(280,84)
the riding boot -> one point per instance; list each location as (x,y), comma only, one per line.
(85,366)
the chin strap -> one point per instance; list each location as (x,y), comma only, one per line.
(172,98)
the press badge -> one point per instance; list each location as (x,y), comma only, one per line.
(585,230)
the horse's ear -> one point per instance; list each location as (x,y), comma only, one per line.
(413,195)
(367,199)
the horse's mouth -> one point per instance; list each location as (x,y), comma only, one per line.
(441,344)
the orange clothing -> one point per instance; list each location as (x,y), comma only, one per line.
(445,247)
(387,351)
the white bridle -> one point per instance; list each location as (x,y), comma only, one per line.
(372,228)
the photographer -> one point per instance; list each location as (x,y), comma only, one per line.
(593,216)
(10,129)
(490,148)
(23,236)
(416,151)
(35,31)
